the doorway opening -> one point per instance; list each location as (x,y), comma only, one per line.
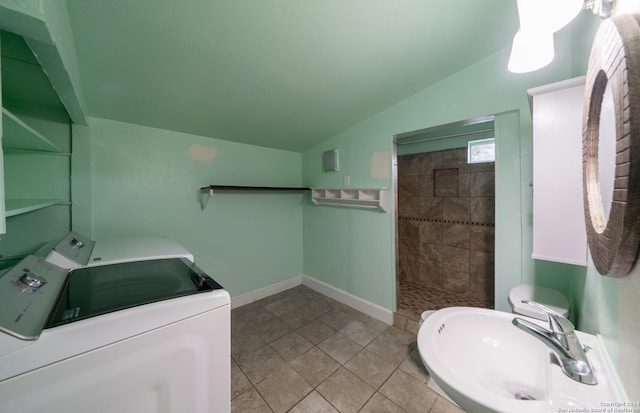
(445,218)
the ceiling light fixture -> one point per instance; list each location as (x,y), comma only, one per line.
(531,51)
(532,47)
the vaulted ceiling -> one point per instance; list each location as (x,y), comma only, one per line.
(284,74)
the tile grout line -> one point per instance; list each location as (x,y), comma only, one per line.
(290,329)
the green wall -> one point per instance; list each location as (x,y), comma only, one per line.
(610,307)
(146,182)
(626,343)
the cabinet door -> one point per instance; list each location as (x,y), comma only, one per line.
(559,232)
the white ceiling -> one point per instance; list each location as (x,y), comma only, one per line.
(284,74)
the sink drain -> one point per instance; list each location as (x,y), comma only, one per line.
(523,396)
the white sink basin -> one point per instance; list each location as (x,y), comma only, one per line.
(486,364)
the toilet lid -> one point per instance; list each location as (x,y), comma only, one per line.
(553,299)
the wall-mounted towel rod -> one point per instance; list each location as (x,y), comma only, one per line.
(253,188)
(240,188)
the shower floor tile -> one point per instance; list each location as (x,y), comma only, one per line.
(414,298)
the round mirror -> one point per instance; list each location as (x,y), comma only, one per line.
(611,146)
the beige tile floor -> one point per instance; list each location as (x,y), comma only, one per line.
(301,352)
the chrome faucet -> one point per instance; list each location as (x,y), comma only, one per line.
(562,341)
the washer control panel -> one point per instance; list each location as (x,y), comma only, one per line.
(75,247)
(28,292)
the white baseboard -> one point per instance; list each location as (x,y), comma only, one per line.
(372,310)
(260,293)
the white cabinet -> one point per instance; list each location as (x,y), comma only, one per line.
(559,232)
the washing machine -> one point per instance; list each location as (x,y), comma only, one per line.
(134,336)
(76,250)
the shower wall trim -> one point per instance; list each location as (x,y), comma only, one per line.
(447,221)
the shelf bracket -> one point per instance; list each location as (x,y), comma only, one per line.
(206,200)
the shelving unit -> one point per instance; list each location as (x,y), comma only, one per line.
(19,135)
(35,179)
(369,198)
(15,207)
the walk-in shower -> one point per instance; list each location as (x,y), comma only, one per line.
(445,218)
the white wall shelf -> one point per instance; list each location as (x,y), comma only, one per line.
(22,206)
(19,135)
(370,198)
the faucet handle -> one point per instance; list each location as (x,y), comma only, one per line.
(558,324)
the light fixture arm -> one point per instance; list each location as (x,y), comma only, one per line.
(532,47)
(601,8)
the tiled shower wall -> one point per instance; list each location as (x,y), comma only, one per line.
(446,226)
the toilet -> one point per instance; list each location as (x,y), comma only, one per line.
(548,297)
(425,314)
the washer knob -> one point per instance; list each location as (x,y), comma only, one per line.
(76,243)
(33,280)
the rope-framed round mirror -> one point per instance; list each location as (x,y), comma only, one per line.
(611,146)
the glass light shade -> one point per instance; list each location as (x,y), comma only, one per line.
(547,15)
(531,50)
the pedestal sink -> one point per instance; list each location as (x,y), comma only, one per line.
(486,364)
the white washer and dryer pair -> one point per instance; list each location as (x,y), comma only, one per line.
(124,326)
